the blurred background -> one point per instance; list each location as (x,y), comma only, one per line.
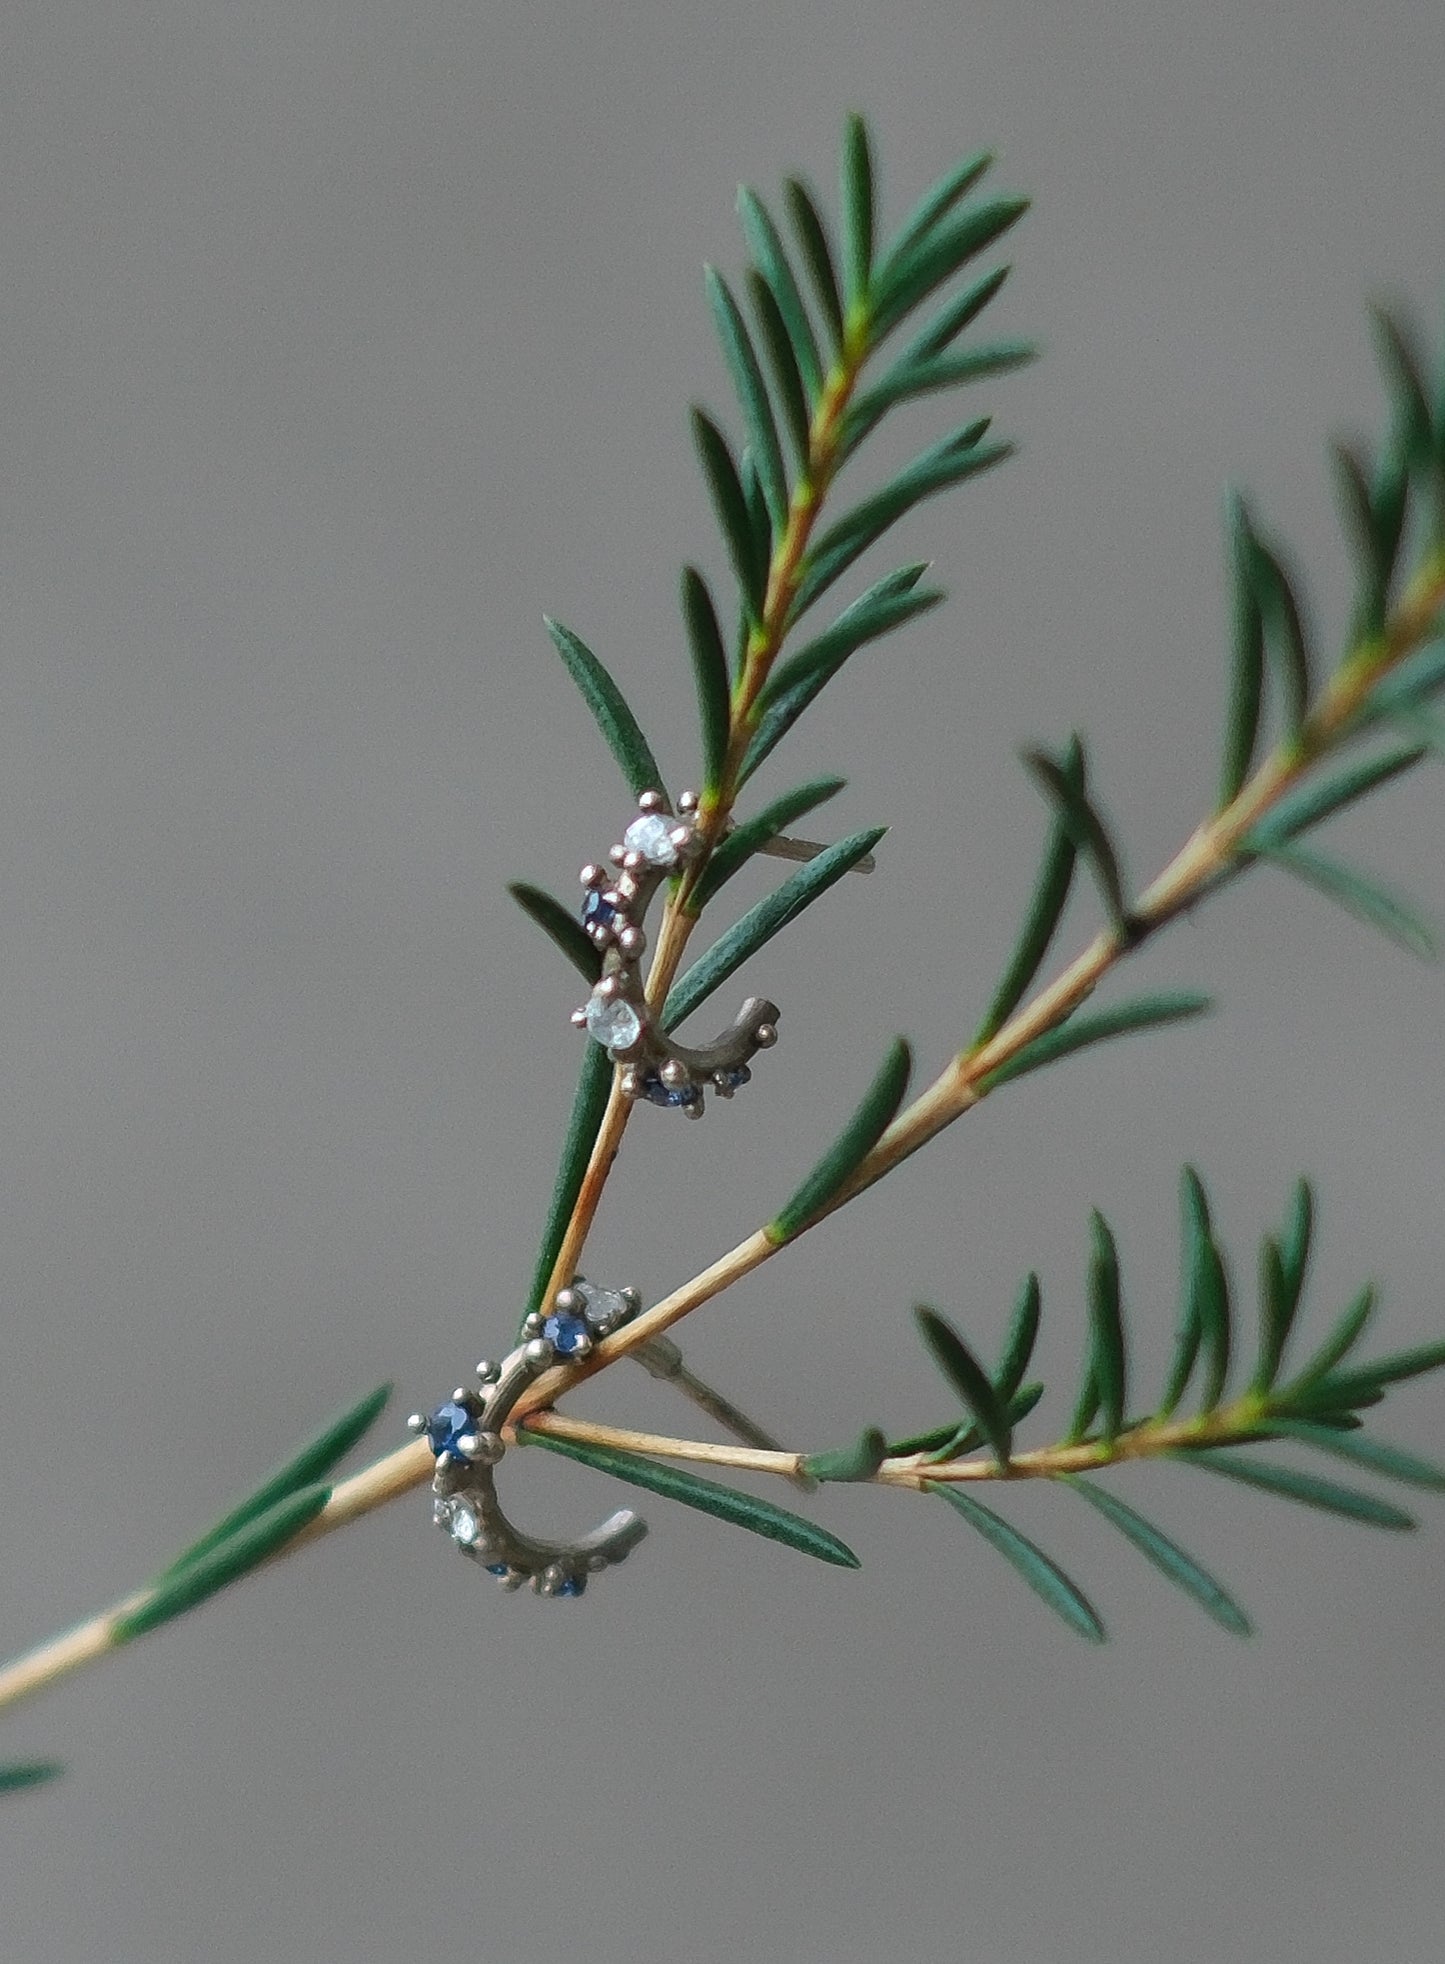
(340,341)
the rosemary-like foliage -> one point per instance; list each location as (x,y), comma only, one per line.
(827,331)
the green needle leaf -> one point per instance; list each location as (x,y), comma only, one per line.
(1166,1555)
(1365,898)
(911,277)
(28,1773)
(946,1442)
(1209,1290)
(1018,1346)
(315,1459)
(615,720)
(1395,1369)
(710,673)
(958,457)
(909,379)
(935,204)
(1392,1461)
(1314,802)
(1304,1487)
(1275,1315)
(1405,378)
(1090,835)
(1193,1226)
(1051,893)
(1080,1032)
(856,202)
(1284,635)
(1108,1361)
(747,380)
(742,1510)
(950,321)
(1045,1578)
(1241,733)
(1295,1240)
(783,356)
(1410,685)
(590,1102)
(799,682)
(739,845)
(774,267)
(182,1588)
(969,1379)
(860,1461)
(886,605)
(559,926)
(734,519)
(852,1146)
(817,252)
(1339,1343)
(758,926)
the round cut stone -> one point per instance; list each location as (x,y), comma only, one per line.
(597,912)
(649,835)
(464,1526)
(678,1097)
(572,1585)
(498,1568)
(604,1308)
(566,1331)
(447,1424)
(613,1022)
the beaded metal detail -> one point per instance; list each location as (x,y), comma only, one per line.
(617,1015)
(465,1434)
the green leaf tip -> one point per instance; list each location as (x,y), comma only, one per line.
(969,1379)
(1241,733)
(1080,1032)
(858,1138)
(1044,1577)
(1306,1488)
(710,674)
(184,1587)
(1108,1364)
(311,1463)
(856,203)
(1170,1559)
(769,917)
(562,929)
(24,1773)
(749,560)
(752,393)
(608,705)
(1080,818)
(741,1510)
(739,845)
(1046,908)
(1367,899)
(858,1461)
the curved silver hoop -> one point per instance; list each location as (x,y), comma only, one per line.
(465,1434)
(617,1015)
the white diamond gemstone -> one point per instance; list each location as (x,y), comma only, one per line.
(613,1022)
(464,1525)
(651,836)
(604,1308)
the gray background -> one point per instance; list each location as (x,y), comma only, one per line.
(341,340)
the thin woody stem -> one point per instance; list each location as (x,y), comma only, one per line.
(1201,863)
(764,645)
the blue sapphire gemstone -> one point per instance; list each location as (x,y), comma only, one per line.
(597,912)
(498,1568)
(447,1424)
(740,1075)
(678,1097)
(573,1586)
(566,1331)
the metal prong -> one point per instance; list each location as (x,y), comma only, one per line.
(804,849)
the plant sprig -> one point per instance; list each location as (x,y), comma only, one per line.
(804,350)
